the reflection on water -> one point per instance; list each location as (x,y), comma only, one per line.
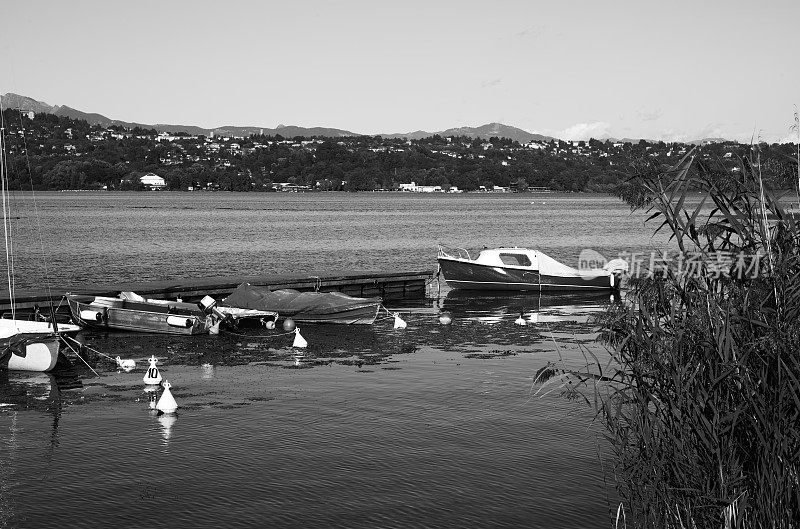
(500,307)
(40,391)
(167,421)
(151,392)
(208,371)
(23,393)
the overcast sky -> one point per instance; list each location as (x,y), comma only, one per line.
(672,70)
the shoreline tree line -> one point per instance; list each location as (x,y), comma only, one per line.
(48,152)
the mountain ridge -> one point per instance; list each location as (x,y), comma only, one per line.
(489,130)
(11,100)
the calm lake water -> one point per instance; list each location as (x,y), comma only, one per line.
(92,238)
(430,426)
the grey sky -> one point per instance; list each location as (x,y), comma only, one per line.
(662,70)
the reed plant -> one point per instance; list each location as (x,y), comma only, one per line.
(700,401)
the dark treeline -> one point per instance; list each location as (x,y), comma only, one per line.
(48,152)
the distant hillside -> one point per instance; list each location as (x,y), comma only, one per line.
(92,119)
(25,103)
(495,129)
(287,131)
(484,132)
(416,135)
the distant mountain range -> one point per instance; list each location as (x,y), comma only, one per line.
(484,131)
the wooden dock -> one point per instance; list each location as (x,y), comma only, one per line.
(389,286)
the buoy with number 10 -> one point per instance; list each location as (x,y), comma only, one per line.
(152,375)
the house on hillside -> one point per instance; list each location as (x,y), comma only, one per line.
(153,181)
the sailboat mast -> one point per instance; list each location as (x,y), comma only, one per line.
(4,194)
(797,148)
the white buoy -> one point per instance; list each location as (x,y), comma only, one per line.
(520,320)
(269,324)
(152,375)
(126,365)
(299,341)
(445,318)
(399,323)
(167,404)
(288,325)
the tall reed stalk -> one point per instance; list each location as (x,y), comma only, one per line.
(701,398)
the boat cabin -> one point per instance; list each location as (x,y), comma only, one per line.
(517,257)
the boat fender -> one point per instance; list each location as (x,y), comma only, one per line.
(180,321)
(91,315)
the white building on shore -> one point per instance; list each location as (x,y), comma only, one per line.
(414,188)
(153,181)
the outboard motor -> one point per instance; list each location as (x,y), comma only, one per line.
(618,268)
(209,306)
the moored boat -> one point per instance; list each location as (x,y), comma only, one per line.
(141,316)
(21,351)
(25,345)
(308,307)
(523,269)
(131,312)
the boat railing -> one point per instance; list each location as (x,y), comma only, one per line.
(460,253)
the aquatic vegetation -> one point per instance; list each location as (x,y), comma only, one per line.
(701,398)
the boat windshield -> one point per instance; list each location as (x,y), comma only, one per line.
(515,259)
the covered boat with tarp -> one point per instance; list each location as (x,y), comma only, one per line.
(309,307)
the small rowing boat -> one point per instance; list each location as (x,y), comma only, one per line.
(131,312)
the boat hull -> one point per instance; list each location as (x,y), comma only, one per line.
(362,315)
(39,352)
(467,275)
(118,314)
